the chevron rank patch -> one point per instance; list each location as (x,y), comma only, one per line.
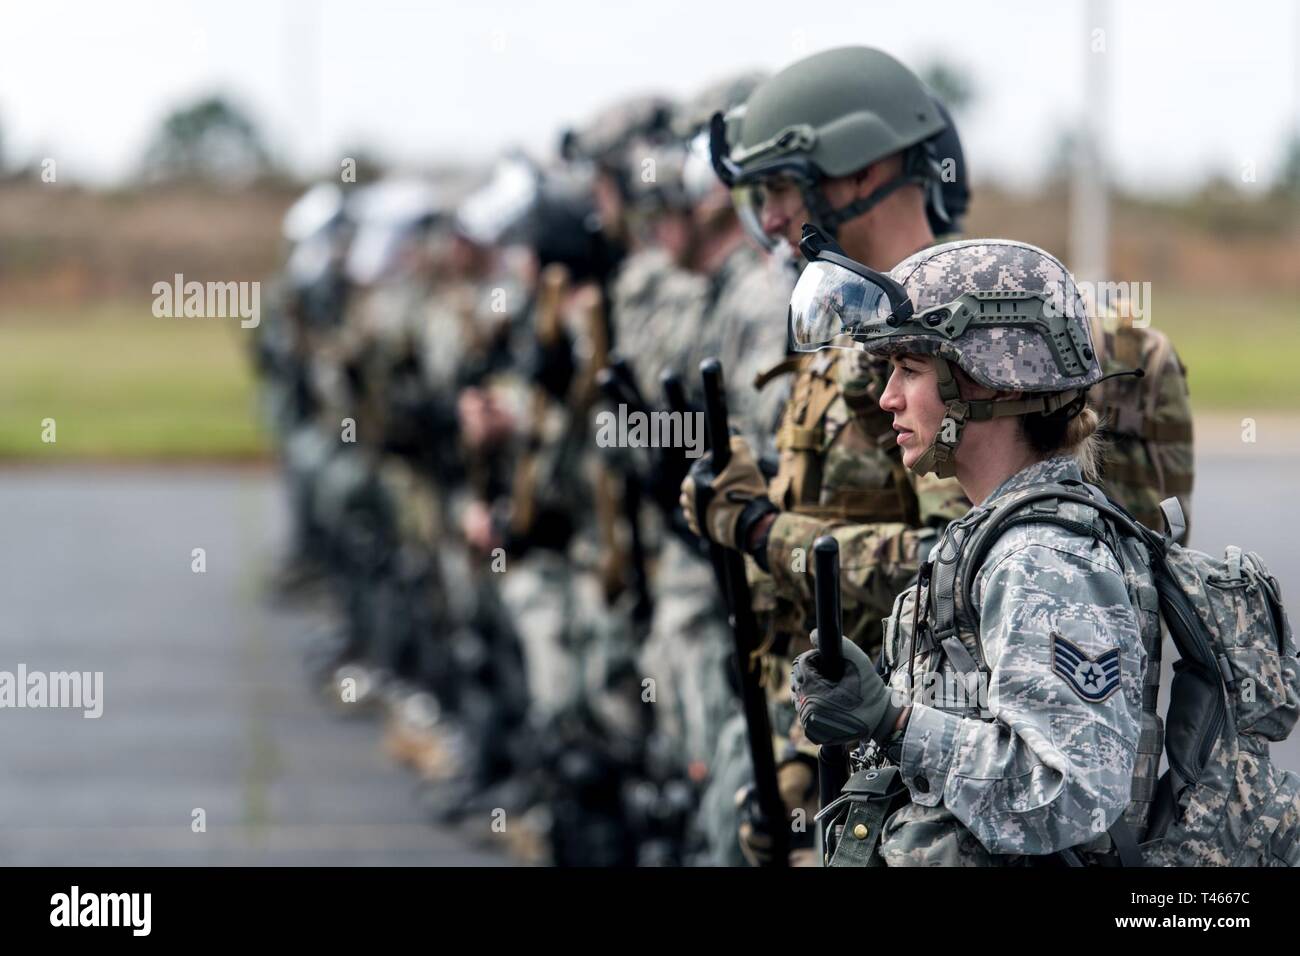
(1092,678)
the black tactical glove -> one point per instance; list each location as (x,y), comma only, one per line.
(553,367)
(839,712)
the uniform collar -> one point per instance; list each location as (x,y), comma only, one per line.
(1060,468)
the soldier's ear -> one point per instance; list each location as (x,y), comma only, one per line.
(870,178)
(842,190)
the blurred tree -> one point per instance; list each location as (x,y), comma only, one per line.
(952,84)
(210,139)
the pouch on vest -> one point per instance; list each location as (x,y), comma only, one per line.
(853,822)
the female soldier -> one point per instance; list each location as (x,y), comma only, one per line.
(1014,706)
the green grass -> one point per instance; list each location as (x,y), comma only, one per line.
(1242,351)
(121,384)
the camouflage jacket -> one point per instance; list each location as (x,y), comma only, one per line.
(841,473)
(747,306)
(669,319)
(1039,756)
(655,306)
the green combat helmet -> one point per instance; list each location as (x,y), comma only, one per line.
(1007,313)
(830,115)
(608,139)
(674,171)
(722,95)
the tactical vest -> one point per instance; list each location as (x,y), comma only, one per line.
(806,436)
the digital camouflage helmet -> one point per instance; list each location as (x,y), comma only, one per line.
(832,114)
(1006,313)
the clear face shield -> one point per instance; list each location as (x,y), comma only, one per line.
(493,214)
(748,192)
(829,305)
(838,302)
(698,179)
(748,202)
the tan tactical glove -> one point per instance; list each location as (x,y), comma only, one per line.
(731,503)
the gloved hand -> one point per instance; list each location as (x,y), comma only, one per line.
(553,366)
(729,503)
(797,782)
(752,833)
(485,420)
(839,712)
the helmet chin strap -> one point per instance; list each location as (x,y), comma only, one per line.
(939,458)
(915,173)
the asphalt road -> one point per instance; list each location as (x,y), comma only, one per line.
(205,702)
(205,705)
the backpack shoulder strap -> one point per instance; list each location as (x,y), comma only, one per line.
(1043,499)
(941,574)
(955,563)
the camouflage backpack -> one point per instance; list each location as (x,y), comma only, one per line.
(1236,685)
(1147,421)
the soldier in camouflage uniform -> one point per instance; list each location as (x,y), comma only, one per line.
(557,526)
(420,327)
(1037,754)
(307,301)
(873,173)
(796,140)
(695,259)
(560,573)
(350,375)
(701,290)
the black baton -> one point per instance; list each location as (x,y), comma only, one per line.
(729,566)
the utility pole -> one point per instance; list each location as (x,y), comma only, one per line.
(1089,184)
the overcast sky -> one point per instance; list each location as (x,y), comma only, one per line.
(1195,85)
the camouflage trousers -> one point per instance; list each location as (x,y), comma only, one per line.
(307,451)
(687,655)
(732,769)
(571,641)
(381,521)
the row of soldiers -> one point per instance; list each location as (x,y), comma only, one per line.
(530,602)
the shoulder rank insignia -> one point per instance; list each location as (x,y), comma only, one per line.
(1092,678)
